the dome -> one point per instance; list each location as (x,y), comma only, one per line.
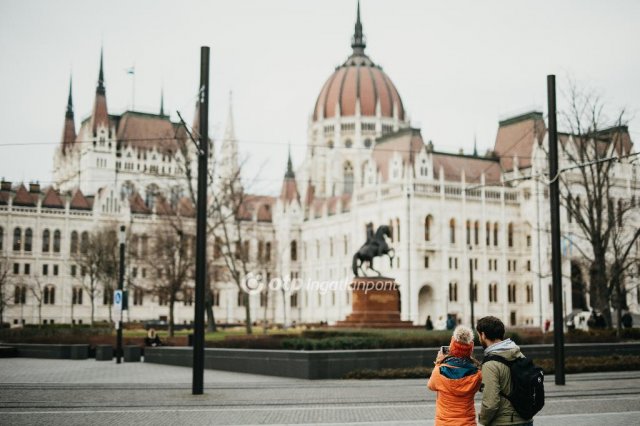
(358,78)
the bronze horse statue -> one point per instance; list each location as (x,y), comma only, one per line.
(375,246)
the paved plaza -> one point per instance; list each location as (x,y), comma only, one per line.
(67,392)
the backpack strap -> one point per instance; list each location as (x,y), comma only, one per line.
(503,361)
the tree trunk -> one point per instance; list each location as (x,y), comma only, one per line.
(171,303)
(247,311)
(40,315)
(266,305)
(93,304)
(211,321)
(598,288)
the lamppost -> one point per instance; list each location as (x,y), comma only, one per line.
(471,287)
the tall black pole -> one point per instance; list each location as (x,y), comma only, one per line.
(556,267)
(471,292)
(120,287)
(201,226)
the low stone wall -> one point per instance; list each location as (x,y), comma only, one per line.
(36,350)
(336,364)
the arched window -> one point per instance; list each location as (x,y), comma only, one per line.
(476,233)
(294,250)
(348,178)
(452,231)
(330,144)
(267,252)
(84,242)
(20,295)
(453,292)
(367,143)
(510,234)
(49,295)
(74,242)
(56,241)
(468,232)
(427,228)
(46,241)
(512,293)
(76,296)
(475,292)
(28,239)
(260,250)
(493,292)
(620,212)
(495,234)
(348,143)
(488,234)
(144,245)
(1,238)
(17,239)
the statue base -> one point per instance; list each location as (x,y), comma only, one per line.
(375,303)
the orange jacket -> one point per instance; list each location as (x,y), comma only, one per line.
(456,382)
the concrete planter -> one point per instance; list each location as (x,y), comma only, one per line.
(132,353)
(104,353)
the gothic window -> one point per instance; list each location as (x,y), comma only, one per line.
(294,250)
(150,195)
(49,295)
(367,143)
(398,229)
(144,245)
(495,234)
(294,300)
(476,233)
(453,292)
(28,239)
(468,232)
(348,143)
(46,241)
(56,241)
(241,298)
(330,144)
(84,242)
(452,231)
(510,234)
(187,297)
(427,227)
(1,238)
(20,295)
(488,234)
(76,296)
(348,178)
(74,242)
(260,250)
(267,252)
(107,296)
(216,298)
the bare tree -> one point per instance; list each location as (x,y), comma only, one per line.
(98,264)
(5,282)
(171,257)
(37,289)
(591,190)
(230,208)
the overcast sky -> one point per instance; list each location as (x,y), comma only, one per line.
(459,66)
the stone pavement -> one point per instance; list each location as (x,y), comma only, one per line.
(67,392)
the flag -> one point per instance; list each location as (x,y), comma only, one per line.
(131,70)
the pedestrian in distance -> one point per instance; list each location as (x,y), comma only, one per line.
(513,390)
(456,378)
(429,324)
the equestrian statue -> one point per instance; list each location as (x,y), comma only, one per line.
(375,246)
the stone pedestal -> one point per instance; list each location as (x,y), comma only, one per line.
(375,303)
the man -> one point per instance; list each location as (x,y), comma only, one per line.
(496,377)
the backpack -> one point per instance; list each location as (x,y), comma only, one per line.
(527,385)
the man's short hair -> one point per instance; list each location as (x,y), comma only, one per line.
(492,328)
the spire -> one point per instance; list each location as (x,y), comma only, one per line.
(475,146)
(289,174)
(69,113)
(100,116)
(162,101)
(69,130)
(289,192)
(229,167)
(100,88)
(358,42)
